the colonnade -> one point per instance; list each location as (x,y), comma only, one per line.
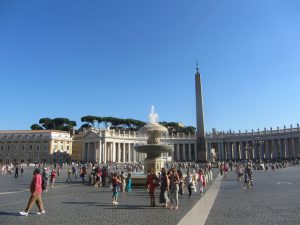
(111,151)
(265,149)
(184,152)
(100,151)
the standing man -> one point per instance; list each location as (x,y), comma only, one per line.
(36,194)
(45,177)
(17,171)
(69,175)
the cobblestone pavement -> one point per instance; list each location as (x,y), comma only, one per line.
(75,203)
(274,199)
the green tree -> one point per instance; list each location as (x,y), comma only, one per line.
(59,123)
(36,127)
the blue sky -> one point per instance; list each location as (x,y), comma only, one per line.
(117,58)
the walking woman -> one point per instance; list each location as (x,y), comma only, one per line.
(36,194)
(174,187)
(115,188)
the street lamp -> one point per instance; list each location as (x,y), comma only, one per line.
(258,143)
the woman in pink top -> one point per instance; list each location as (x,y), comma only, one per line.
(36,194)
(201,181)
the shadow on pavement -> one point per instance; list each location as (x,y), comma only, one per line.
(9,214)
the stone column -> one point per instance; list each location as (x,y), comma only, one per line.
(119,152)
(293,147)
(124,151)
(184,152)
(88,152)
(268,150)
(108,150)
(100,151)
(95,151)
(134,155)
(190,152)
(84,154)
(178,152)
(240,149)
(236,151)
(113,151)
(105,151)
(298,150)
(223,151)
(286,148)
(275,149)
(228,151)
(279,149)
(129,152)
(219,158)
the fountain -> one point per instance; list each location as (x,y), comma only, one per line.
(153,148)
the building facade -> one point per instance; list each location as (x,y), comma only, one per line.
(265,145)
(104,145)
(77,147)
(33,146)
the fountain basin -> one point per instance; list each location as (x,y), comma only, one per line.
(154,150)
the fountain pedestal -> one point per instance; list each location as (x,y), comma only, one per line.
(156,164)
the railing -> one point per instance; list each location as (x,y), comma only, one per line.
(286,131)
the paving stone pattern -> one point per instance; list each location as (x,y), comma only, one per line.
(75,203)
(266,203)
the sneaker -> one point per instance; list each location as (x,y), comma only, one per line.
(42,212)
(24,213)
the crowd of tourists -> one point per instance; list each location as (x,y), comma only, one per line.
(245,168)
(171,184)
(168,185)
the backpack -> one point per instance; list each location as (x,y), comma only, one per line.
(44,184)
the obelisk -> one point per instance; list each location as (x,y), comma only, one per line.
(201,150)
